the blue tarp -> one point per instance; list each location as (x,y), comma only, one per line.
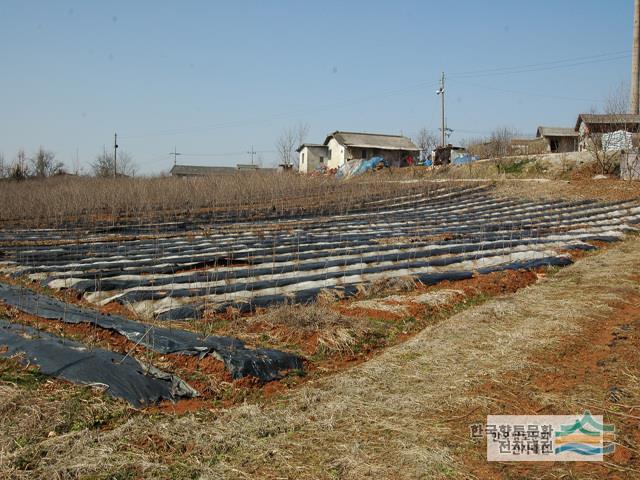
(464,159)
(370,164)
(358,167)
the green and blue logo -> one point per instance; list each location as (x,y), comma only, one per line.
(586,436)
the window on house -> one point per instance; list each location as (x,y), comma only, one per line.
(321,159)
(364,153)
(330,154)
(302,157)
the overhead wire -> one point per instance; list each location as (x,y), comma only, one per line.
(545,66)
(531,94)
(488,72)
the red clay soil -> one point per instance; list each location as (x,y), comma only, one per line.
(491,284)
(581,186)
(360,312)
(112,308)
(596,360)
(497,283)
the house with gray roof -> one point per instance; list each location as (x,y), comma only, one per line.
(311,156)
(598,129)
(342,147)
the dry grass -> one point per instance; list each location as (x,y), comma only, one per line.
(68,201)
(387,418)
(578,189)
(386,286)
(46,409)
(336,334)
(310,318)
(83,200)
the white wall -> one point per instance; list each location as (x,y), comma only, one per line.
(310,158)
(337,155)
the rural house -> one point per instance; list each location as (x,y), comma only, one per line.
(558,139)
(608,131)
(311,156)
(342,147)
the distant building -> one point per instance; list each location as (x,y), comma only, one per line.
(341,147)
(207,171)
(592,127)
(559,139)
(247,166)
(447,155)
(311,156)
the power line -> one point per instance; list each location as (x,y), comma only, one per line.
(542,66)
(531,94)
(551,62)
(496,71)
(228,154)
(329,107)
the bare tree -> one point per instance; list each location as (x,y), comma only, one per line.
(501,141)
(19,169)
(77,169)
(289,140)
(285,146)
(102,166)
(497,145)
(3,167)
(630,165)
(44,164)
(302,130)
(426,141)
(617,101)
(605,147)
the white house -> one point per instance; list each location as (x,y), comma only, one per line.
(397,150)
(340,147)
(311,156)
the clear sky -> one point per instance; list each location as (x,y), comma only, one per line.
(215,77)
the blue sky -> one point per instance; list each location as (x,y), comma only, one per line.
(214,78)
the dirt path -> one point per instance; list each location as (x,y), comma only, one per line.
(568,342)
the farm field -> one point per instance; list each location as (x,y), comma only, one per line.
(241,241)
(238,310)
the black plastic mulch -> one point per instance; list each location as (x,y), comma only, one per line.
(262,363)
(120,376)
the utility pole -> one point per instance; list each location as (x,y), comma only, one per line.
(252,152)
(634,104)
(443,126)
(115,154)
(175,154)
